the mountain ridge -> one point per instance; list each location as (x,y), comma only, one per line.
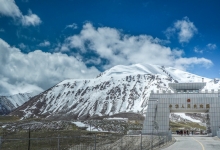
(10,103)
(119,89)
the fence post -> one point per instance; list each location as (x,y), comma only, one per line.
(141,140)
(95,142)
(0,141)
(58,143)
(29,138)
(121,141)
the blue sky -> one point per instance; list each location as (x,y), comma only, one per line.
(45,41)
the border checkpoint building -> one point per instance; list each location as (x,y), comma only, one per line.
(185,98)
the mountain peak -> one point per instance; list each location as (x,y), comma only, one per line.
(119,89)
(121,70)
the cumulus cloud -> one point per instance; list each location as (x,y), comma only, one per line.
(185,29)
(30,19)
(37,70)
(22,46)
(73,26)
(191,62)
(2,30)
(44,44)
(10,9)
(117,48)
(211,46)
(197,50)
(207,48)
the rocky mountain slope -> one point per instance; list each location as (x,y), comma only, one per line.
(119,89)
(9,103)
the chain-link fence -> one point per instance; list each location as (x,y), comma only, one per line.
(94,141)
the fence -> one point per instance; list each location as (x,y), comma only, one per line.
(88,142)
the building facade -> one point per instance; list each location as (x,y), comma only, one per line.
(185,98)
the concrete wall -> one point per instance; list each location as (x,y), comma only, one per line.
(198,103)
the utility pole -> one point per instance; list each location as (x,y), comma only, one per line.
(58,142)
(29,138)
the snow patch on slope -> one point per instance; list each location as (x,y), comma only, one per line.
(9,103)
(187,117)
(119,89)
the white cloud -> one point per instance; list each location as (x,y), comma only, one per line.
(170,32)
(30,19)
(73,26)
(37,70)
(185,29)
(2,30)
(22,46)
(211,46)
(191,62)
(10,9)
(197,50)
(118,48)
(44,44)
(207,48)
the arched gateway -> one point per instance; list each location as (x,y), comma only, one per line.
(186,97)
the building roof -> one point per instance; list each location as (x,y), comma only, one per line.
(187,86)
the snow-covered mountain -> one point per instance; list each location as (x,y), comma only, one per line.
(9,103)
(119,89)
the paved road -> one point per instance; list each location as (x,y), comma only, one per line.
(195,143)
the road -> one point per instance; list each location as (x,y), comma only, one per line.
(195,143)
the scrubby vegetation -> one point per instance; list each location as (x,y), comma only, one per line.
(4,119)
(47,134)
(186,125)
